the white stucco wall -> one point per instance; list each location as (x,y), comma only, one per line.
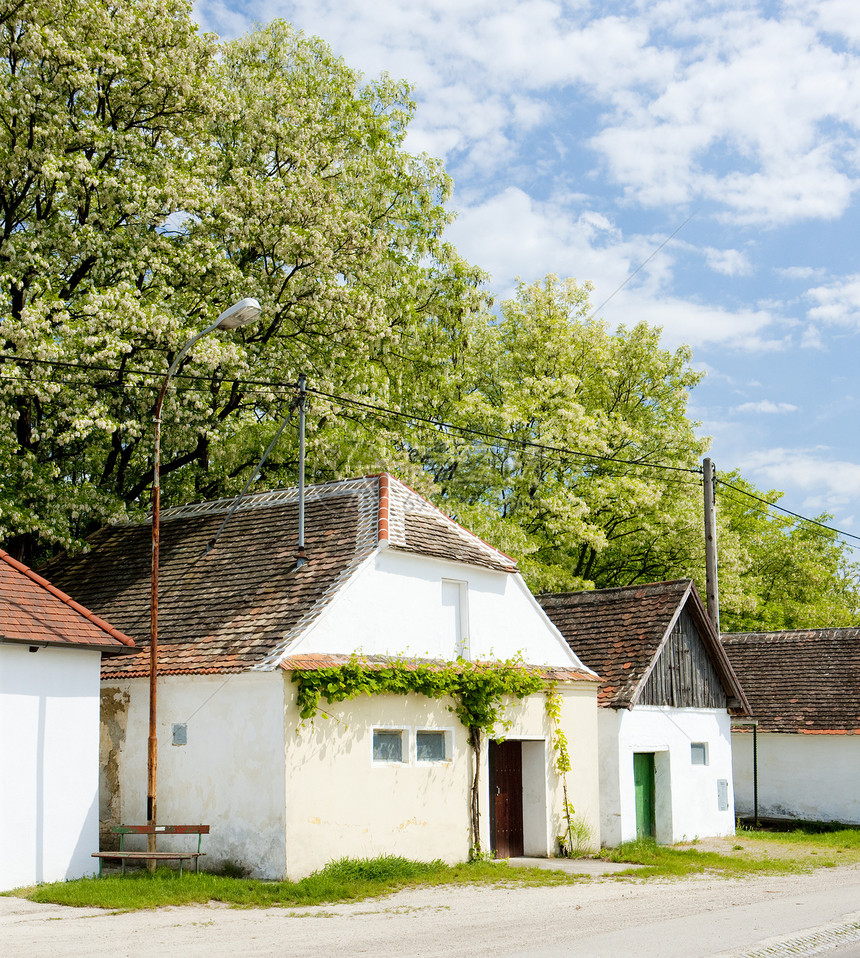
(342,804)
(686,794)
(229,775)
(394,606)
(49,714)
(808,777)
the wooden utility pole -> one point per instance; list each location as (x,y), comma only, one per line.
(711,586)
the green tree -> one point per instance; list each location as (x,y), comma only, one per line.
(148,178)
(585,509)
(784,573)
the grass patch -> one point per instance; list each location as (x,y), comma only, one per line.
(747,853)
(342,881)
(666,861)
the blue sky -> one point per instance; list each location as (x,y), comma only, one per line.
(581,135)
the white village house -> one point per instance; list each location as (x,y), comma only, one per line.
(804,694)
(388,575)
(50,656)
(666,700)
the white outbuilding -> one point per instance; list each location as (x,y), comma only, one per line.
(51,650)
(799,760)
(388,578)
(666,700)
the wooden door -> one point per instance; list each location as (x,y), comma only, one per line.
(506,799)
(643,784)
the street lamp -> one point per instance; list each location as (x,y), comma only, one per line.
(239,314)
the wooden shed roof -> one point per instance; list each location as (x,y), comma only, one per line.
(621,632)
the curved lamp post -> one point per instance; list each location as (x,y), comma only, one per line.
(239,314)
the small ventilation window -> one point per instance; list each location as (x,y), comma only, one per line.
(699,753)
(180,734)
(388,745)
(431,747)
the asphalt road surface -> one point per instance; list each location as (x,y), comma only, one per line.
(763,917)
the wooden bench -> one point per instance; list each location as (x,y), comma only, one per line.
(123,855)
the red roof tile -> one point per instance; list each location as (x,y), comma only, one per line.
(35,612)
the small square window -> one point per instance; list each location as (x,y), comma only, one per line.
(699,753)
(430,747)
(180,734)
(387,745)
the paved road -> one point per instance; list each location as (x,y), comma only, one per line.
(817,914)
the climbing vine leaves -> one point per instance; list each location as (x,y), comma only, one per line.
(478,690)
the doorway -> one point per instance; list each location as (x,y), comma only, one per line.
(643,785)
(506,799)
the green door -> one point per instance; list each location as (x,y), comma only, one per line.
(643,783)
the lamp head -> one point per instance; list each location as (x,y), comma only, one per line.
(239,314)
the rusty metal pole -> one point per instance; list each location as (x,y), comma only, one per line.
(152,741)
(239,314)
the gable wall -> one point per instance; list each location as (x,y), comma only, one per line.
(49,713)
(684,676)
(394,606)
(686,794)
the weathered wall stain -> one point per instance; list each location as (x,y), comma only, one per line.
(114,719)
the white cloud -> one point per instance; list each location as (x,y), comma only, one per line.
(838,303)
(811,338)
(833,483)
(766,406)
(729,262)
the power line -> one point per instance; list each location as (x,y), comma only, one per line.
(644,263)
(440,424)
(437,424)
(796,515)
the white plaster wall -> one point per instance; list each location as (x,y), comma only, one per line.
(230,775)
(686,794)
(809,777)
(393,606)
(342,804)
(49,714)
(528,723)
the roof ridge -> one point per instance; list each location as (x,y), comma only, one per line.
(468,532)
(616,588)
(67,599)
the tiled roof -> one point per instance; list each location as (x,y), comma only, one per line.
(315,660)
(805,681)
(620,632)
(33,611)
(239,606)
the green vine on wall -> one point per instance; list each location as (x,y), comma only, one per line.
(479,692)
(562,756)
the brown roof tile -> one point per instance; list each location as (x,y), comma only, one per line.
(240,605)
(619,633)
(34,611)
(801,681)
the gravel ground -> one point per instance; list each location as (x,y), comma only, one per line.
(688,918)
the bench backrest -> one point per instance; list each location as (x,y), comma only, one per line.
(160,829)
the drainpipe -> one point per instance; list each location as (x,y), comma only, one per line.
(754,725)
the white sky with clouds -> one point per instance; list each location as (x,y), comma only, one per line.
(580,135)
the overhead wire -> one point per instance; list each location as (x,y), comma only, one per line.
(439,425)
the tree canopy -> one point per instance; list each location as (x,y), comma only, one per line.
(150,176)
